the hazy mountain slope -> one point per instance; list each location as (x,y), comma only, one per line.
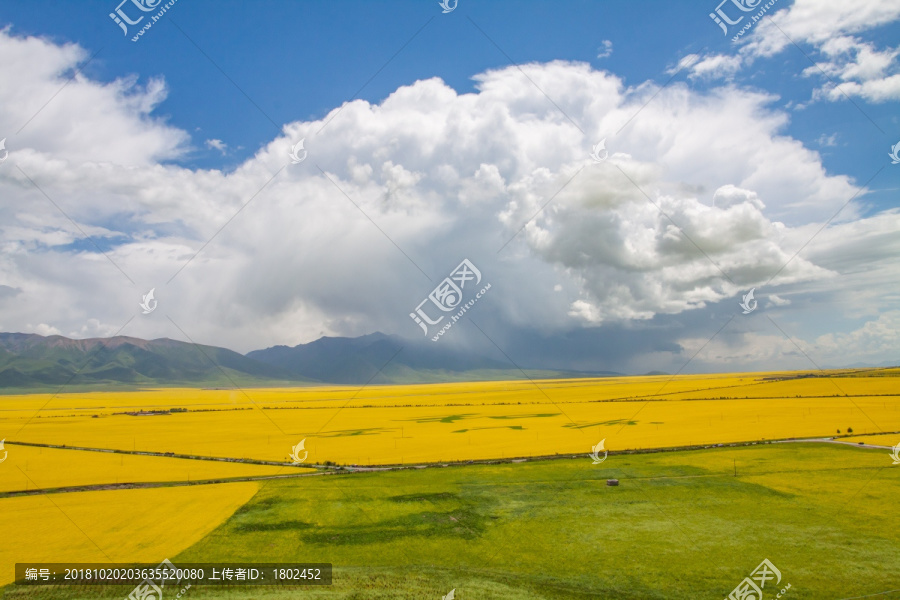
(33,360)
(380,358)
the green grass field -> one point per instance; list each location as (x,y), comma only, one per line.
(680,525)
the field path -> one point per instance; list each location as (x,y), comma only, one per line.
(831,441)
(347,470)
(154,484)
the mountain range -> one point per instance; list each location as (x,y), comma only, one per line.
(35,361)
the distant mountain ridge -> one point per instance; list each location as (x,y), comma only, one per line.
(375,357)
(30,360)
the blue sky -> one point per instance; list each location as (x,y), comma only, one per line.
(298,60)
(223,84)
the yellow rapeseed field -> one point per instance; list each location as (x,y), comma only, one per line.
(463,421)
(368,425)
(29,468)
(145,525)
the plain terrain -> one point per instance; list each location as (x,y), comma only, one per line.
(680,525)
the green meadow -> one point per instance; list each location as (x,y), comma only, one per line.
(681,525)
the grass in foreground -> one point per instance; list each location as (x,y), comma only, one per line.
(680,526)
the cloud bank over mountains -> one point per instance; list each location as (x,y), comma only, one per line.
(703,196)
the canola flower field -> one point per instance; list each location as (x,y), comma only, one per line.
(32,468)
(380,425)
(113,525)
(189,517)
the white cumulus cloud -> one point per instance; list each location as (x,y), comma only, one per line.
(701,198)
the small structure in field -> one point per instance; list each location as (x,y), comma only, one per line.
(612,482)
